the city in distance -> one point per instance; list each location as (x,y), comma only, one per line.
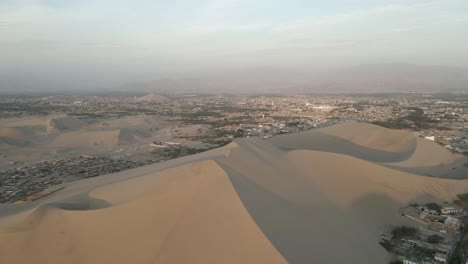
(239,131)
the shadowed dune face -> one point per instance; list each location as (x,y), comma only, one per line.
(12,132)
(457,169)
(193,215)
(12,142)
(392,148)
(19,136)
(304,233)
(95,138)
(329,143)
(88,204)
(318,207)
(65,123)
(372,136)
(433,160)
(46,137)
(248,202)
(364,141)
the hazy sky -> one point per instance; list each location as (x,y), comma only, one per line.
(130,40)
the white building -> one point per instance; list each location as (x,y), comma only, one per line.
(431,138)
(450,210)
(441,257)
(453,222)
(410,261)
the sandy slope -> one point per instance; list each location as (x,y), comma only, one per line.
(361,140)
(374,137)
(193,215)
(248,202)
(392,148)
(365,135)
(94,138)
(12,132)
(28,121)
(311,204)
(19,136)
(65,123)
(26,140)
(433,160)
(87,138)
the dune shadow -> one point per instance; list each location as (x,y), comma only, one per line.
(457,169)
(311,232)
(80,204)
(327,143)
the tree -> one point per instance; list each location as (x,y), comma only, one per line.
(404,231)
(239,133)
(434,239)
(434,206)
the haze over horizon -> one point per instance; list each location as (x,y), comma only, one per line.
(211,45)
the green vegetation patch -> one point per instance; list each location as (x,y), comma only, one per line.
(400,232)
(434,239)
(434,206)
(416,119)
(462,201)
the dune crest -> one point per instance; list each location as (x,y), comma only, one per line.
(195,217)
(372,136)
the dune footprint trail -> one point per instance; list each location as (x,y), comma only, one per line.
(289,199)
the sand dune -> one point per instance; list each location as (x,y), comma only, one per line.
(87,138)
(438,155)
(65,123)
(12,132)
(34,139)
(22,132)
(372,136)
(27,121)
(252,201)
(125,136)
(195,217)
(8,142)
(94,138)
(392,148)
(18,136)
(364,141)
(433,160)
(28,131)
(329,201)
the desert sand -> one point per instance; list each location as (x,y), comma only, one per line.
(391,148)
(321,196)
(30,140)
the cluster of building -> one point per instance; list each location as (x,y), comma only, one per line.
(17,183)
(433,241)
(268,129)
(446,218)
(224,117)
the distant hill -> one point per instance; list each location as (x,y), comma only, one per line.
(156,98)
(392,78)
(369,78)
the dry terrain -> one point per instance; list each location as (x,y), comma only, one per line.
(32,139)
(321,196)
